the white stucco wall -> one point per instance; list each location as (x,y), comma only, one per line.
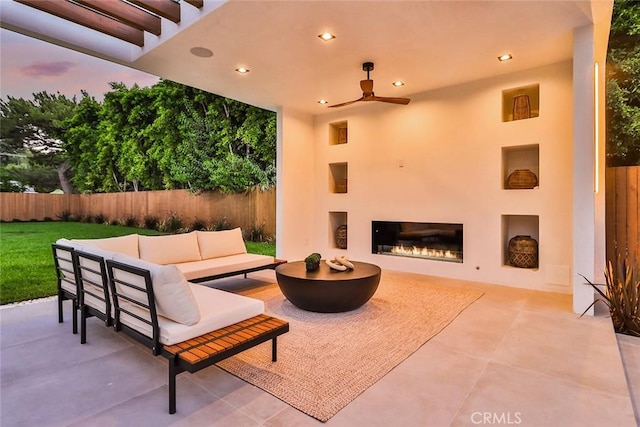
(449,143)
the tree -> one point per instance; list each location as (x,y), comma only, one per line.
(90,170)
(162,137)
(127,117)
(623,85)
(211,142)
(226,145)
(35,128)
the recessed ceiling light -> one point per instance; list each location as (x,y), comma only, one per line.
(242,70)
(323,101)
(504,57)
(327,36)
(398,83)
(202,52)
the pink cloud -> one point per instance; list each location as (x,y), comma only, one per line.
(55,68)
(28,66)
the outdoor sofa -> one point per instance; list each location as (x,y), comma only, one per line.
(140,285)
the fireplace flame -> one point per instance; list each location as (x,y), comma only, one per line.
(424,252)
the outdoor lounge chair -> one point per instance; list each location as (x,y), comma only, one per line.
(93,290)
(67,288)
(227,324)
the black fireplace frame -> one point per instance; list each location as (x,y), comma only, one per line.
(435,236)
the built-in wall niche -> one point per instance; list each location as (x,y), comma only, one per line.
(520,241)
(338,133)
(338,230)
(338,176)
(521,103)
(521,167)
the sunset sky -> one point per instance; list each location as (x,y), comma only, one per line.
(28,65)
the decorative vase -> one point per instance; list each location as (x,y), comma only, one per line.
(521,107)
(522,179)
(342,136)
(312,262)
(341,237)
(523,252)
(312,265)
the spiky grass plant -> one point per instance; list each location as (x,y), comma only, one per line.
(622,296)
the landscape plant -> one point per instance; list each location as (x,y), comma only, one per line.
(621,296)
(220,223)
(130,221)
(171,223)
(100,219)
(199,224)
(256,233)
(151,222)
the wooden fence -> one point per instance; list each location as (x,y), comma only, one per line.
(247,210)
(623,213)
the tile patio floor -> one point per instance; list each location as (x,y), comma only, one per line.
(518,357)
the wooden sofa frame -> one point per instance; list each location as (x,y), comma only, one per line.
(194,354)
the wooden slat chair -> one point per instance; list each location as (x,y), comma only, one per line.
(67,286)
(136,315)
(93,290)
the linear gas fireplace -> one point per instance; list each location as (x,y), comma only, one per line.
(426,240)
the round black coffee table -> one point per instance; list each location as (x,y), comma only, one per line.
(326,290)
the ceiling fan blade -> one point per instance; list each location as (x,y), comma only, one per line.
(402,101)
(367,87)
(346,103)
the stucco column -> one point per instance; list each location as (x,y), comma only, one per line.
(588,164)
(295,213)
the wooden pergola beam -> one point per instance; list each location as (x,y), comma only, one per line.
(166,8)
(126,13)
(88,18)
(196,3)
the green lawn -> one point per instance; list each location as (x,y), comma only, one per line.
(26,262)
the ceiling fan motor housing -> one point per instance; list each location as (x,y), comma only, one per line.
(367,91)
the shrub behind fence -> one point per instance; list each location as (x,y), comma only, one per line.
(247,210)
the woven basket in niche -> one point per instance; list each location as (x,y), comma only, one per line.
(521,107)
(522,179)
(341,237)
(523,252)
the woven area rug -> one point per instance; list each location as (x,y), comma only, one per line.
(326,360)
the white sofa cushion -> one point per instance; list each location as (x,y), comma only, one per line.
(127,245)
(171,249)
(75,244)
(217,310)
(215,244)
(173,296)
(223,265)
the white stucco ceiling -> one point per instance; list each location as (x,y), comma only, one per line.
(426,44)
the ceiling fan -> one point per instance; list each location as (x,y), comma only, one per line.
(367,91)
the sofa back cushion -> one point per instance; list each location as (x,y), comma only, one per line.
(172,249)
(215,244)
(127,245)
(173,296)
